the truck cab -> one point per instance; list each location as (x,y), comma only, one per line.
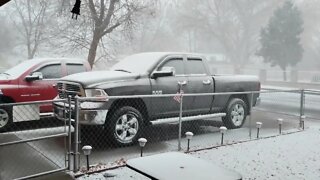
(34,80)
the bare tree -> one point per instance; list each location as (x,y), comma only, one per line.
(234,24)
(6,43)
(106,17)
(310,37)
(154,32)
(33,16)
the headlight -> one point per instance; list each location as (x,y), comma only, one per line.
(95,93)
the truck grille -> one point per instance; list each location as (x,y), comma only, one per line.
(68,89)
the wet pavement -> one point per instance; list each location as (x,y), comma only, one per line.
(21,159)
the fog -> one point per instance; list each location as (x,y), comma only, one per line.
(228,32)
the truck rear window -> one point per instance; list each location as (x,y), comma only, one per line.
(75,68)
(195,66)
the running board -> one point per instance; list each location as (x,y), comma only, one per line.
(49,114)
(189,118)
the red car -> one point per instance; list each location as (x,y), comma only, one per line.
(34,80)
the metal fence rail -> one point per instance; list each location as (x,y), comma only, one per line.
(26,137)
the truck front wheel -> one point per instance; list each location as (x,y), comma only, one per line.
(236,113)
(125,125)
(5,118)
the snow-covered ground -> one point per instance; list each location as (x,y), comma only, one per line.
(292,156)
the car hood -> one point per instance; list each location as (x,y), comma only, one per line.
(92,78)
(8,82)
(5,78)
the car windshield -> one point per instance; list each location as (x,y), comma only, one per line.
(19,69)
(138,63)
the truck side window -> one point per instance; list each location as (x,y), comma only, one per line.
(52,71)
(75,68)
(176,63)
(195,66)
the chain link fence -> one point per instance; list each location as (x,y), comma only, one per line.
(311,100)
(113,126)
(31,145)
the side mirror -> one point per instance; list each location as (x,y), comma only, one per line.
(34,76)
(165,71)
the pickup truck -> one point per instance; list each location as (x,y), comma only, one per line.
(33,80)
(156,73)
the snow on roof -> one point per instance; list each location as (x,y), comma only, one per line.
(55,59)
(168,53)
(142,63)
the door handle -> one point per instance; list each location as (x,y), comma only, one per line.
(206,82)
(182,83)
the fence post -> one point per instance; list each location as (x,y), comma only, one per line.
(180,122)
(76,136)
(302,99)
(250,117)
(65,140)
(69,133)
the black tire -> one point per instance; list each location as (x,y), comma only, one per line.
(236,113)
(122,132)
(5,118)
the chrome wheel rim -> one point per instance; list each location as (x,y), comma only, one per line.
(237,114)
(127,127)
(4,118)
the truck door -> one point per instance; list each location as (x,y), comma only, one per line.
(169,106)
(199,81)
(42,89)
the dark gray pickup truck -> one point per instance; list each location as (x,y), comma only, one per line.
(157,73)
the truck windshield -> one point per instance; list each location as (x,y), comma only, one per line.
(19,69)
(138,63)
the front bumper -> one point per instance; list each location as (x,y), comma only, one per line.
(94,115)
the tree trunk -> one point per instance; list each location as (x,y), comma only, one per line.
(93,49)
(29,47)
(30,55)
(29,52)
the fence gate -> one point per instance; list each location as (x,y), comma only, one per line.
(32,145)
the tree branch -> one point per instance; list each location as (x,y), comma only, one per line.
(107,19)
(93,11)
(110,29)
(102,9)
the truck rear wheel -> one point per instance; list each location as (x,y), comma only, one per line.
(5,118)
(236,113)
(125,125)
